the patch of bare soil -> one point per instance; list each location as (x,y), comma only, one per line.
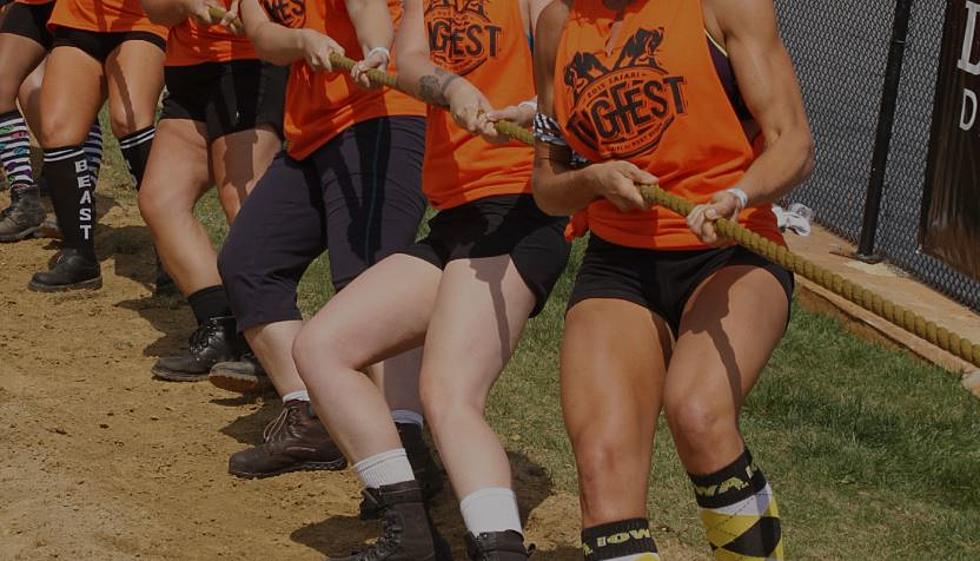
(98,462)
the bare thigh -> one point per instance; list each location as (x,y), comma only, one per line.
(731,325)
(134,73)
(613,361)
(71,95)
(238,161)
(20,57)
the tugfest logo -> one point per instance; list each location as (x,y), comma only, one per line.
(461,36)
(290,13)
(624,110)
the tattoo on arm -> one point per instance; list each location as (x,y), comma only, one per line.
(432,87)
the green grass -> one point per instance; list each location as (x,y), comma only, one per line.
(873,454)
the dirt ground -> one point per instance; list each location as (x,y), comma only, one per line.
(99,462)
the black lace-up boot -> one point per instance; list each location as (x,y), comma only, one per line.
(424,466)
(407,533)
(213,342)
(71,270)
(496,546)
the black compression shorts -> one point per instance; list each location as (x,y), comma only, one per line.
(500,225)
(662,281)
(228,97)
(30,21)
(99,45)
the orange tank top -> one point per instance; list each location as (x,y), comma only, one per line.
(485,42)
(645,89)
(320,105)
(194,43)
(104,16)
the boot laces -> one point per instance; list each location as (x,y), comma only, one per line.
(388,541)
(276,426)
(202,335)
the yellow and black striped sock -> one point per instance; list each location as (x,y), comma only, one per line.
(739,512)
(626,540)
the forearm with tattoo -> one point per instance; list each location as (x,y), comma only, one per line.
(433,87)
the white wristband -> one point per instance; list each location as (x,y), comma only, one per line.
(383,50)
(531,104)
(743,198)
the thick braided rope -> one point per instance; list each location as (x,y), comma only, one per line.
(654,195)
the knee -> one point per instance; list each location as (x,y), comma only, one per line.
(155,205)
(699,428)
(442,403)
(312,352)
(57,131)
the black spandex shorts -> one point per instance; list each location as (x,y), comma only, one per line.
(500,225)
(228,97)
(99,45)
(358,197)
(661,281)
(30,21)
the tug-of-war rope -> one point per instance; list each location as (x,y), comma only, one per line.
(654,195)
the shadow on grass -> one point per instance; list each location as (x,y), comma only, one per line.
(339,535)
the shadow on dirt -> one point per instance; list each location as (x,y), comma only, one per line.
(339,535)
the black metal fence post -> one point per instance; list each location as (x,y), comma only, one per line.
(883,137)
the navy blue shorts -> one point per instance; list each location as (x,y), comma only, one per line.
(30,21)
(349,198)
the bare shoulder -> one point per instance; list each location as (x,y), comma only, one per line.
(739,17)
(551,22)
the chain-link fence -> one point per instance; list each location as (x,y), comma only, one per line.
(840,49)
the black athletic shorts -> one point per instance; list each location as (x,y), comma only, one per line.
(30,21)
(99,45)
(359,197)
(500,225)
(662,281)
(228,97)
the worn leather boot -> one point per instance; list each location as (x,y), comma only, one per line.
(294,441)
(70,271)
(427,472)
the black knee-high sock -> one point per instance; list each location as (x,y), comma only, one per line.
(209,303)
(626,539)
(739,512)
(73,195)
(136,151)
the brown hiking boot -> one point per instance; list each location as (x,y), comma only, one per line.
(407,532)
(23,218)
(241,376)
(294,441)
(424,466)
(497,546)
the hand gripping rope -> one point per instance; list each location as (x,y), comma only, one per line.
(654,195)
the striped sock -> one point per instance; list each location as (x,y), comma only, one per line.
(739,512)
(625,540)
(135,149)
(93,151)
(15,150)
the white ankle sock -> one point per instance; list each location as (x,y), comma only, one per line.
(301,395)
(493,509)
(407,417)
(386,468)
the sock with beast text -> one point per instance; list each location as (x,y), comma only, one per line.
(739,512)
(625,540)
(73,196)
(135,149)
